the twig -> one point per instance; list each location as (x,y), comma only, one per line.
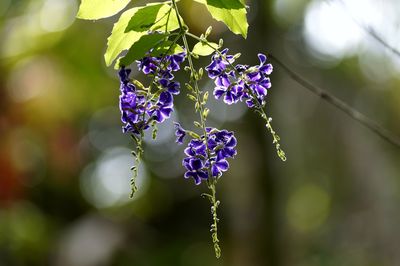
(350,111)
(374,35)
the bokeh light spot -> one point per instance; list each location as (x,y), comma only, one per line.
(308,208)
(33,77)
(106,183)
(330,31)
(57,15)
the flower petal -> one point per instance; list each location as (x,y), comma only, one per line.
(262,58)
(222,165)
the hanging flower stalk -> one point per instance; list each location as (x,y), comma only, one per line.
(154,37)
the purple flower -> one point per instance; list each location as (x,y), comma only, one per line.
(137,112)
(163,107)
(219,166)
(171,86)
(207,159)
(161,67)
(249,84)
(219,63)
(257,81)
(195,169)
(175,61)
(124,75)
(180,133)
(132,105)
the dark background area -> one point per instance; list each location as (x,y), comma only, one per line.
(65,164)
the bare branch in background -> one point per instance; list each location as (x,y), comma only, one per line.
(350,111)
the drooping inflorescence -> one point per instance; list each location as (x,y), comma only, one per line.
(206,156)
(207,153)
(240,82)
(133,106)
(142,108)
(139,107)
(155,37)
(244,83)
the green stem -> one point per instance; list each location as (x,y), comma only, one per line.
(138,155)
(214,225)
(274,135)
(211,182)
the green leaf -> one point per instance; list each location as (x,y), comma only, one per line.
(119,40)
(154,17)
(96,9)
(140,48)
(167,48)
(144,18)
(204,49)
(166,20)
(132,24)
(230,12)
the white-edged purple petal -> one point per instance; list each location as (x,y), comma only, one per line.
(222,165)
(228,99)
(262,58)
(218,92)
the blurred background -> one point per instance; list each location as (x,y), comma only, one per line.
(65,164)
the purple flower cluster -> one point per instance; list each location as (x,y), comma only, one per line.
(240,82)
(207,157)
(162,68)
(132,105)
(138,110)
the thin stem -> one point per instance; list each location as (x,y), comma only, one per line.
(138,154)
(214,226)
(275,136)
(211,182)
